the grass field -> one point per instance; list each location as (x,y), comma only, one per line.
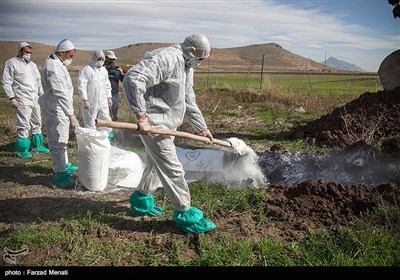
(68,228)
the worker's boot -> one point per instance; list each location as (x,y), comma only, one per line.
(143,205)
(70,168)
(37,144)
(63,180)
(192,221)
(110,137)
(22,145)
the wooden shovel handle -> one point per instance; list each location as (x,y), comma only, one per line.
(163,131)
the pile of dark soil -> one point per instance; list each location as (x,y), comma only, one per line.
(306,206)
(295,210)
(373,118)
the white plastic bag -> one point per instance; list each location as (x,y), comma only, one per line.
(94,157)
(125,163)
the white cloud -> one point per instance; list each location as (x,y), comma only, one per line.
(302,27)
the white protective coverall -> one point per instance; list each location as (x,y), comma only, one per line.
(95,87)
(57,105)
(21,81)
(161,85)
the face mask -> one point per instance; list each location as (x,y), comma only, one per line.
(67,62)
(27,57)
(192,62)
(99,63)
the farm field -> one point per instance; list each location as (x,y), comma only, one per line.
(310,223)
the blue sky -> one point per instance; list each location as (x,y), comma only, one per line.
(359,32)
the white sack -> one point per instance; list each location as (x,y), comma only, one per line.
(93,157)
(126,162)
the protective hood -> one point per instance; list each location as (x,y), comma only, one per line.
(98,54)
(196,45)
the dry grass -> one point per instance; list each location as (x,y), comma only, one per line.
(367,133)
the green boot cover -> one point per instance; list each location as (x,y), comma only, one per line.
(63,180)
(37,144)
(22,145)
(110,137)
(69,168)
(192,221)
(143,205)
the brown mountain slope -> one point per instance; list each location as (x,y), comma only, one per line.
(247,58)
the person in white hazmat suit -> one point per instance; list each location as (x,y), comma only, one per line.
(159,89)
(22,86)
(94,88)
(58,110)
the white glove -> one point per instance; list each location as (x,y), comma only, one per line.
(206,133)
(74,121)
(14,103)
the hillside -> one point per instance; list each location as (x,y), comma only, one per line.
(244,59)
(341,64)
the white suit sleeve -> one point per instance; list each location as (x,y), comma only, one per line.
(193,113)
(38,81)
(147,73)
(8,74)
(58,83)
(82,83)
(108,84)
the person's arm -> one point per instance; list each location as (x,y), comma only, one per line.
(121,74)
(59,83)
(193,113)
(38,81)
(8,78)
(82,87)
(107,87)
(147,73)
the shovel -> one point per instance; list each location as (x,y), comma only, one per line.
(156,130)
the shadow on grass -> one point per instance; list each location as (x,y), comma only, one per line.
(46,209)
(10,147)
(26,175)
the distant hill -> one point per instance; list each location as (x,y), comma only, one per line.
(340,64)
(240,59)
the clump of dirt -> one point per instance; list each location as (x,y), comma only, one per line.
(372,117)
(302,208)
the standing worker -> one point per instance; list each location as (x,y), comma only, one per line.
(116,75)
(95,90)
(57,104)
(160,91)
(22,86)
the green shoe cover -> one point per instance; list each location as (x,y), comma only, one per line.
(203,225)
(143,205)
(63,180)
(37,144)
(192,221)
(25,154)
(22,145)
(190,216)
(41,149)
(69,168)
(111,136)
